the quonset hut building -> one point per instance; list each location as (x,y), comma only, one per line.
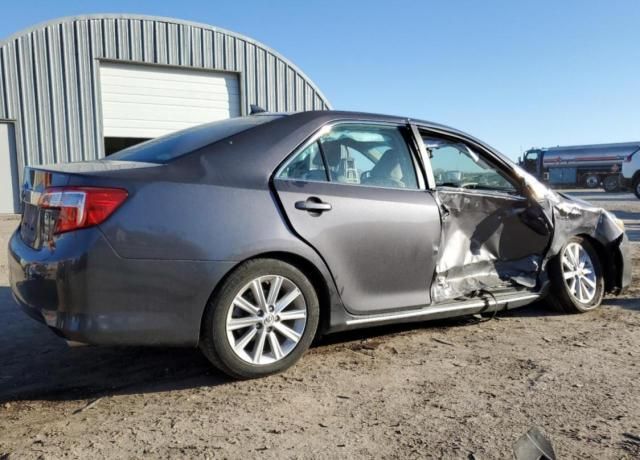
(80,88)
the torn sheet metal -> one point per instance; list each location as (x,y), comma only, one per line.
(571,217)
(576,217)
(493,241)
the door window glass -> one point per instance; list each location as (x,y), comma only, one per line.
(370,155)
(306,165)
(454,164)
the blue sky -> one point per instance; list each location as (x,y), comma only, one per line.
(513,73)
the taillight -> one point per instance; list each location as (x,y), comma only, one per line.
(81,207)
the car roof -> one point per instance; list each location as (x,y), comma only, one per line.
(354,115)
(337,115)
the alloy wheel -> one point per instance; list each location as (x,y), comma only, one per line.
(266,320)
(579,273)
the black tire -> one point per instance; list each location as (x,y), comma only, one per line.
(611,184)
(591,181)
(561,297)
(214,342)
(636,187)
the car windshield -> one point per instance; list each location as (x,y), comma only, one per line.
(166,148)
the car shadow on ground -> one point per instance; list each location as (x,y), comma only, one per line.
(37,365)
(540,308)
(82,373)
(632,304)
(534,310)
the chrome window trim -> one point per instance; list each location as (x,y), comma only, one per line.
(485,193)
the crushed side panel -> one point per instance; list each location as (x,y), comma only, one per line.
(490,241)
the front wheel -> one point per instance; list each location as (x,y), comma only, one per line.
(261,319)
(576,277)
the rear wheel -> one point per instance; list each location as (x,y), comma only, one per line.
(611,184)
(576,276)
(636,187)
(261,320)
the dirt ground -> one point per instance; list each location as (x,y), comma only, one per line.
(443,389)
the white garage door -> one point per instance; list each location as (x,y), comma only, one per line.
(142,101)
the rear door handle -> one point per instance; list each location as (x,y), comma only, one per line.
(313,204)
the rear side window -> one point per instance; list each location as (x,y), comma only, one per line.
(306,165)
(356,154)
(370,155)
(166,148)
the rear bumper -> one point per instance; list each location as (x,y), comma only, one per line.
(86,293)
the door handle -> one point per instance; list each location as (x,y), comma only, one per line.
(313,204)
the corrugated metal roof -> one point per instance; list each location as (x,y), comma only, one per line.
(49,76)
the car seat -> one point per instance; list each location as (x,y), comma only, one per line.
(389,171)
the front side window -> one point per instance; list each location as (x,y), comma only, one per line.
(456,165)
(371,155)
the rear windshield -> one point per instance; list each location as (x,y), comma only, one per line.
(166,148)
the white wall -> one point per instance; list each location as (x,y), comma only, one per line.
(8,173)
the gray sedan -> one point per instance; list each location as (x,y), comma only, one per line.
(249,237)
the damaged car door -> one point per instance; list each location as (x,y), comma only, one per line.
(495,236)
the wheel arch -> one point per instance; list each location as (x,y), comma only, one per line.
(608,258)
(308,268)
